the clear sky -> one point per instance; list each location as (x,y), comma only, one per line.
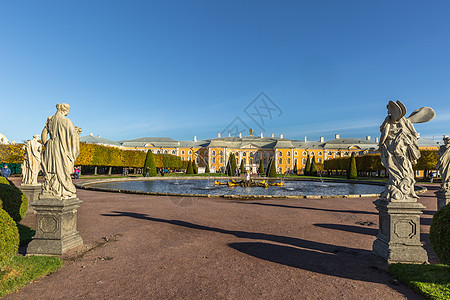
(180,69)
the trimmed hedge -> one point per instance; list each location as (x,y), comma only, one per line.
(440,234)
(13,201)
(9,238)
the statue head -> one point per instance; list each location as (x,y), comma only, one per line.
(64,108)
(446,139)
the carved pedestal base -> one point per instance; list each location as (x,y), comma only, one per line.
(443,198)
(56,226)
(398,239)
(32,192)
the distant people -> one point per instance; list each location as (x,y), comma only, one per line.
(431,176)
(6,172)
(76,173)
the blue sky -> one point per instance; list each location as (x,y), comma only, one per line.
(180,69)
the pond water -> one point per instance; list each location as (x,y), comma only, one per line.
(206,186)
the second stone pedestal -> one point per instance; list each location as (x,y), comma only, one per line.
(443,198)
(56,226)
(398,239)
(32,192)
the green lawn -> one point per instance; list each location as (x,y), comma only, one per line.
(22,270)
(432,281)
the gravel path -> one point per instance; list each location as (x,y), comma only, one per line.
(142,247)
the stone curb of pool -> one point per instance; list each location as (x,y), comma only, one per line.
(85,184)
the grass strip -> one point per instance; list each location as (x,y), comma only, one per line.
(22,270)
(432,281)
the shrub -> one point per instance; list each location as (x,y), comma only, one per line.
(233,164)
(9,238)
(273,169)
(194,167)
(3,180)
(242,167)
(352,172)
(149,164)
(313,170)
(440,234)
(261,168)
(307,167)
(295,168)
(207,168)
(189,169)
(13,201)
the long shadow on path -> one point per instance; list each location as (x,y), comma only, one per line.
(323,258)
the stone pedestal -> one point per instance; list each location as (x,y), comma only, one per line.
(398,239)
(32,192)
(443,198)
(56,226)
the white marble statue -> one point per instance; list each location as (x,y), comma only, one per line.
(61,150)
(443,164)
(399,150)
(32,161)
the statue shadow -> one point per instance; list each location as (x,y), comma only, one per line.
(350,228)
(309,208)
(318,257)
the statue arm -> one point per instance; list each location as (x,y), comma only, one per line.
(44,135)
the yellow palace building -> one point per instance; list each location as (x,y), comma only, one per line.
(252,149)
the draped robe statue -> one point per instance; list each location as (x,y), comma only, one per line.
(443,164)
(61,150)
(399,150)
(32,161)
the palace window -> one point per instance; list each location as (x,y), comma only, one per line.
(304,161)
(265,161)
(311,153)
(189,158)
(182,158)
(173,152)
(265,154)
(213,160)
(220,152)
(182,152)
(304,153)
(320,153)
(288,161)
(165,151)
(330,153)
(197,160)
(244,154)
(244,160)
(213,152)
(338,153)
(221,160)
(319,160)
(158,152)
(295,153)
(280,170)
(280,161)
(190,152)
(280,153)
(288,153)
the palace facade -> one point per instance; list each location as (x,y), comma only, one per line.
(252,149)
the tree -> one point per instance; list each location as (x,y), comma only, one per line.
(149,164)
(295,168)
(189,169)
(427,161)
(228,168)
(194,167)
(233,163)
(352,172)
(242,167)
(207,168)
(273,169)
(261,167)
(313,170)
(307,167)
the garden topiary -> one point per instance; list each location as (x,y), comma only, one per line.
(9,238)
(440,234)
(13,201)
(3,180)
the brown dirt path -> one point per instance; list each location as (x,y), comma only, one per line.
(200,248)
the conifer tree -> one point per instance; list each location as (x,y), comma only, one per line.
(149,165)
(352,172)
(261,167)
(189,169)
(313,170)
(273,169)
(194,167)
(295,168)
(228,168)
(207,168)
(242,167)
(233,164)
(307,167)
(268,167)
